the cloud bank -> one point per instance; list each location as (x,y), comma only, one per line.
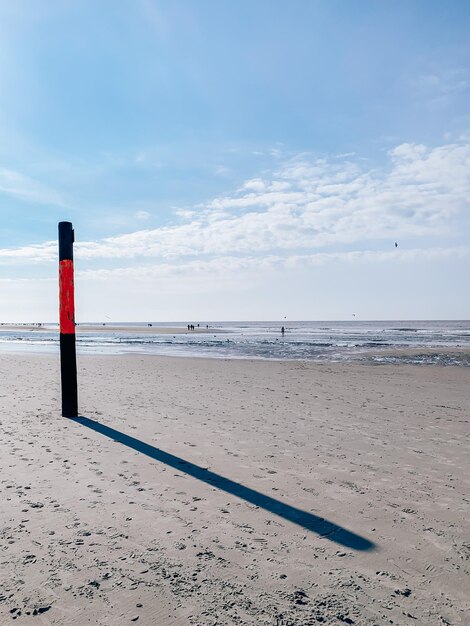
(306,206)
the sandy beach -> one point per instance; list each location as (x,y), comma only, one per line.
(219,492)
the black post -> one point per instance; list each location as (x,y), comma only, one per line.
(68,358)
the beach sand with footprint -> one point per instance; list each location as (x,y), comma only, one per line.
(260,493)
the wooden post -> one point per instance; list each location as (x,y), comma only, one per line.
(68,359)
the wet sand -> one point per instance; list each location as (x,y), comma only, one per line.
(213,492)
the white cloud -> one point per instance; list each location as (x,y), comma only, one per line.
(306,205)
(408,152)
(19,186)
(221,170)
(32,254)
(439,89)
(447,82)
(255,184)
(142,215)
(224,266)
(185,214)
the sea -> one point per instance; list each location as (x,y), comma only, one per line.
(373,342)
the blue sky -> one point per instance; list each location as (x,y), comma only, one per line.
(236,160)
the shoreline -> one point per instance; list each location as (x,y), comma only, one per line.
(447,345)
(368,357)
(105,328)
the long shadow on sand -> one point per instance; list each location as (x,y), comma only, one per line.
(311,522)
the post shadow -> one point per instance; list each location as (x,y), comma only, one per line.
(309,521)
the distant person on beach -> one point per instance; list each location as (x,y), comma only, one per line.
(283,330)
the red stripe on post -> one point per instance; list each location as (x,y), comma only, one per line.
(66,298)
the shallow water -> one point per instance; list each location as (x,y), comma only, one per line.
(431,342)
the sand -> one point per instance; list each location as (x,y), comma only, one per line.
(213,492)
